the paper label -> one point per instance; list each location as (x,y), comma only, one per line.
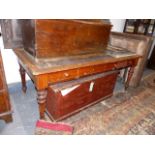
(66,91)
(91,86)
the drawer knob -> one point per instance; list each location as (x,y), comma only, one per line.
(66,74)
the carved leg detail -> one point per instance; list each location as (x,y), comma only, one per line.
(22,74)
(130,73)
(42,98)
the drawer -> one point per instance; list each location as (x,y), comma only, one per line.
(63,76)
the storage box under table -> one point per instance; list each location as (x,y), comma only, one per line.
(67,98)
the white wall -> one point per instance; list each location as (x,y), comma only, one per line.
(10,63)
(118,24)
(10,60)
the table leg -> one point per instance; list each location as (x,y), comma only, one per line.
(42,98)
(130,73)
(22,74)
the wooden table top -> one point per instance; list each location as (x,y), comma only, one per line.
(43,66)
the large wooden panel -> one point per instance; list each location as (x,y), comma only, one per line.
(58,38)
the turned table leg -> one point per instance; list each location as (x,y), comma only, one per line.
(42,98)
(130,73)
(22,74)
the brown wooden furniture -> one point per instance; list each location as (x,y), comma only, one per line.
(46,72)
(67,98)
(5,107)
(58,38)
(55,51)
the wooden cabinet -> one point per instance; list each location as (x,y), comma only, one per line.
(58,38)
(5,107)
(67,98)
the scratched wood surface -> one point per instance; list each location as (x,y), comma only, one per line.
(46,38)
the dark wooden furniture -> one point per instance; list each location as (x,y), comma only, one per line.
(5,106)
(140,26)
(67,98)
(46,72)
(55,51)
(58,38)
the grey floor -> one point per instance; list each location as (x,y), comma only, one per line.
(25,109)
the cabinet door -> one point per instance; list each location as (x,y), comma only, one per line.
(11,33)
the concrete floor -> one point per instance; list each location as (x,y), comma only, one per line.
(25,109)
